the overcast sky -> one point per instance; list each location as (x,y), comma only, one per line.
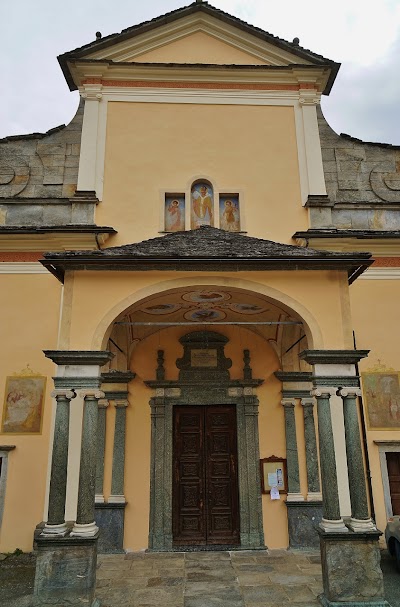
(363,35)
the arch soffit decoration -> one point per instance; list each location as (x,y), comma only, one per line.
(311,327)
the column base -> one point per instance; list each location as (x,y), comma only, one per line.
(351,573)
(360,525)
(314,496)
(55,530)
(99,499)
(295,497)
(84,530)
(117,499)
(333,526)
(65,571)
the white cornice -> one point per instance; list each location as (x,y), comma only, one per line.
(378,248)
(49,242)
(102,70)
(17,267)
(380,274)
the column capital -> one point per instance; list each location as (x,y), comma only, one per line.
(121,403)
(103,403)
(288,402)
(323,391)
(307,402)
(68,394)
(349,391)
(91,393)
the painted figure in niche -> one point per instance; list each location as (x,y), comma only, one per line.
(229,213)
(174,214)
(202,206)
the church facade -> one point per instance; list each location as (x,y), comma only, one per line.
(199,285)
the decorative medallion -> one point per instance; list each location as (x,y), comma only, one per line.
(206,315)
(244,308)
(167,308)
(206,296)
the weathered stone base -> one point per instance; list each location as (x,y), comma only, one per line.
(303,522)
(351,571)
(110,520)
(65,571)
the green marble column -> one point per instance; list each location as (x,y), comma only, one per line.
(59,465)
(360,519)
(292,456)
(313,484)
(101,439)
(85,525)
(331,521)
(117,482)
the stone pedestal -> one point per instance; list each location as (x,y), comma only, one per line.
(65,571)
(303,523)
(351,571)
(110,520)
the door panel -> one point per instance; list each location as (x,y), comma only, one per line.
(205,487)
(393,464)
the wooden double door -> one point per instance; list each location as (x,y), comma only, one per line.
(205,496)
(393,465)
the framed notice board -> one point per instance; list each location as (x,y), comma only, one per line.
(273,474)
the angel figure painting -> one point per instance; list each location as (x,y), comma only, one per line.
(23,406)
(174,213)
(229,213)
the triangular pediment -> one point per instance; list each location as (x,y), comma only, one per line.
(198,34)
(198,38)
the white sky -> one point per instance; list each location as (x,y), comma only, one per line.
(364,35)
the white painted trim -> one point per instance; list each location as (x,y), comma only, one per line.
(22,267)
(315,169)
(301,153)
(200,96)
(101,147)
(87,173)
(381,274)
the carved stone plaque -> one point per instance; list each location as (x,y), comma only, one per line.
(203,358)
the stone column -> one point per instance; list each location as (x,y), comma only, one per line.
(59,465)
(117,482)
(101,439)
(292,455)
(313,484)
(360,519)
(85,525)
(331,521)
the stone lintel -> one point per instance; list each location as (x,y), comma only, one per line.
(76,383)
(337,381)
(296,393)
(7,447)
(293,376)
(333,356)
(117,377)
(116,394)
(79,357)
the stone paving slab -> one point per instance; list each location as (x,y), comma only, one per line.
(210,579)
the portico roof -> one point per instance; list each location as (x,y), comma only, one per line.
(206,248)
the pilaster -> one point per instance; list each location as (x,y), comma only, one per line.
(117,483)
(292,455)
(101,439)
(313,484)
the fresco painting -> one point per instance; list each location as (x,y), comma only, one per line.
(174,213)
(23,406)
(381,391)
(229,217)
(202,198)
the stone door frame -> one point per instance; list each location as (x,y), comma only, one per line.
(250,507)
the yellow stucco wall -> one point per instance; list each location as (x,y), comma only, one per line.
(375,310)
(30,311)
(153,148)
(199,47)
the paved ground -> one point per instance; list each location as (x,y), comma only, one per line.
(274,578)
(208,579)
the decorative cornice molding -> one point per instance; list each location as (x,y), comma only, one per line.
(117,377)
(333,357)
(17,267)
(380,273)
(79,357)
(293,376)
